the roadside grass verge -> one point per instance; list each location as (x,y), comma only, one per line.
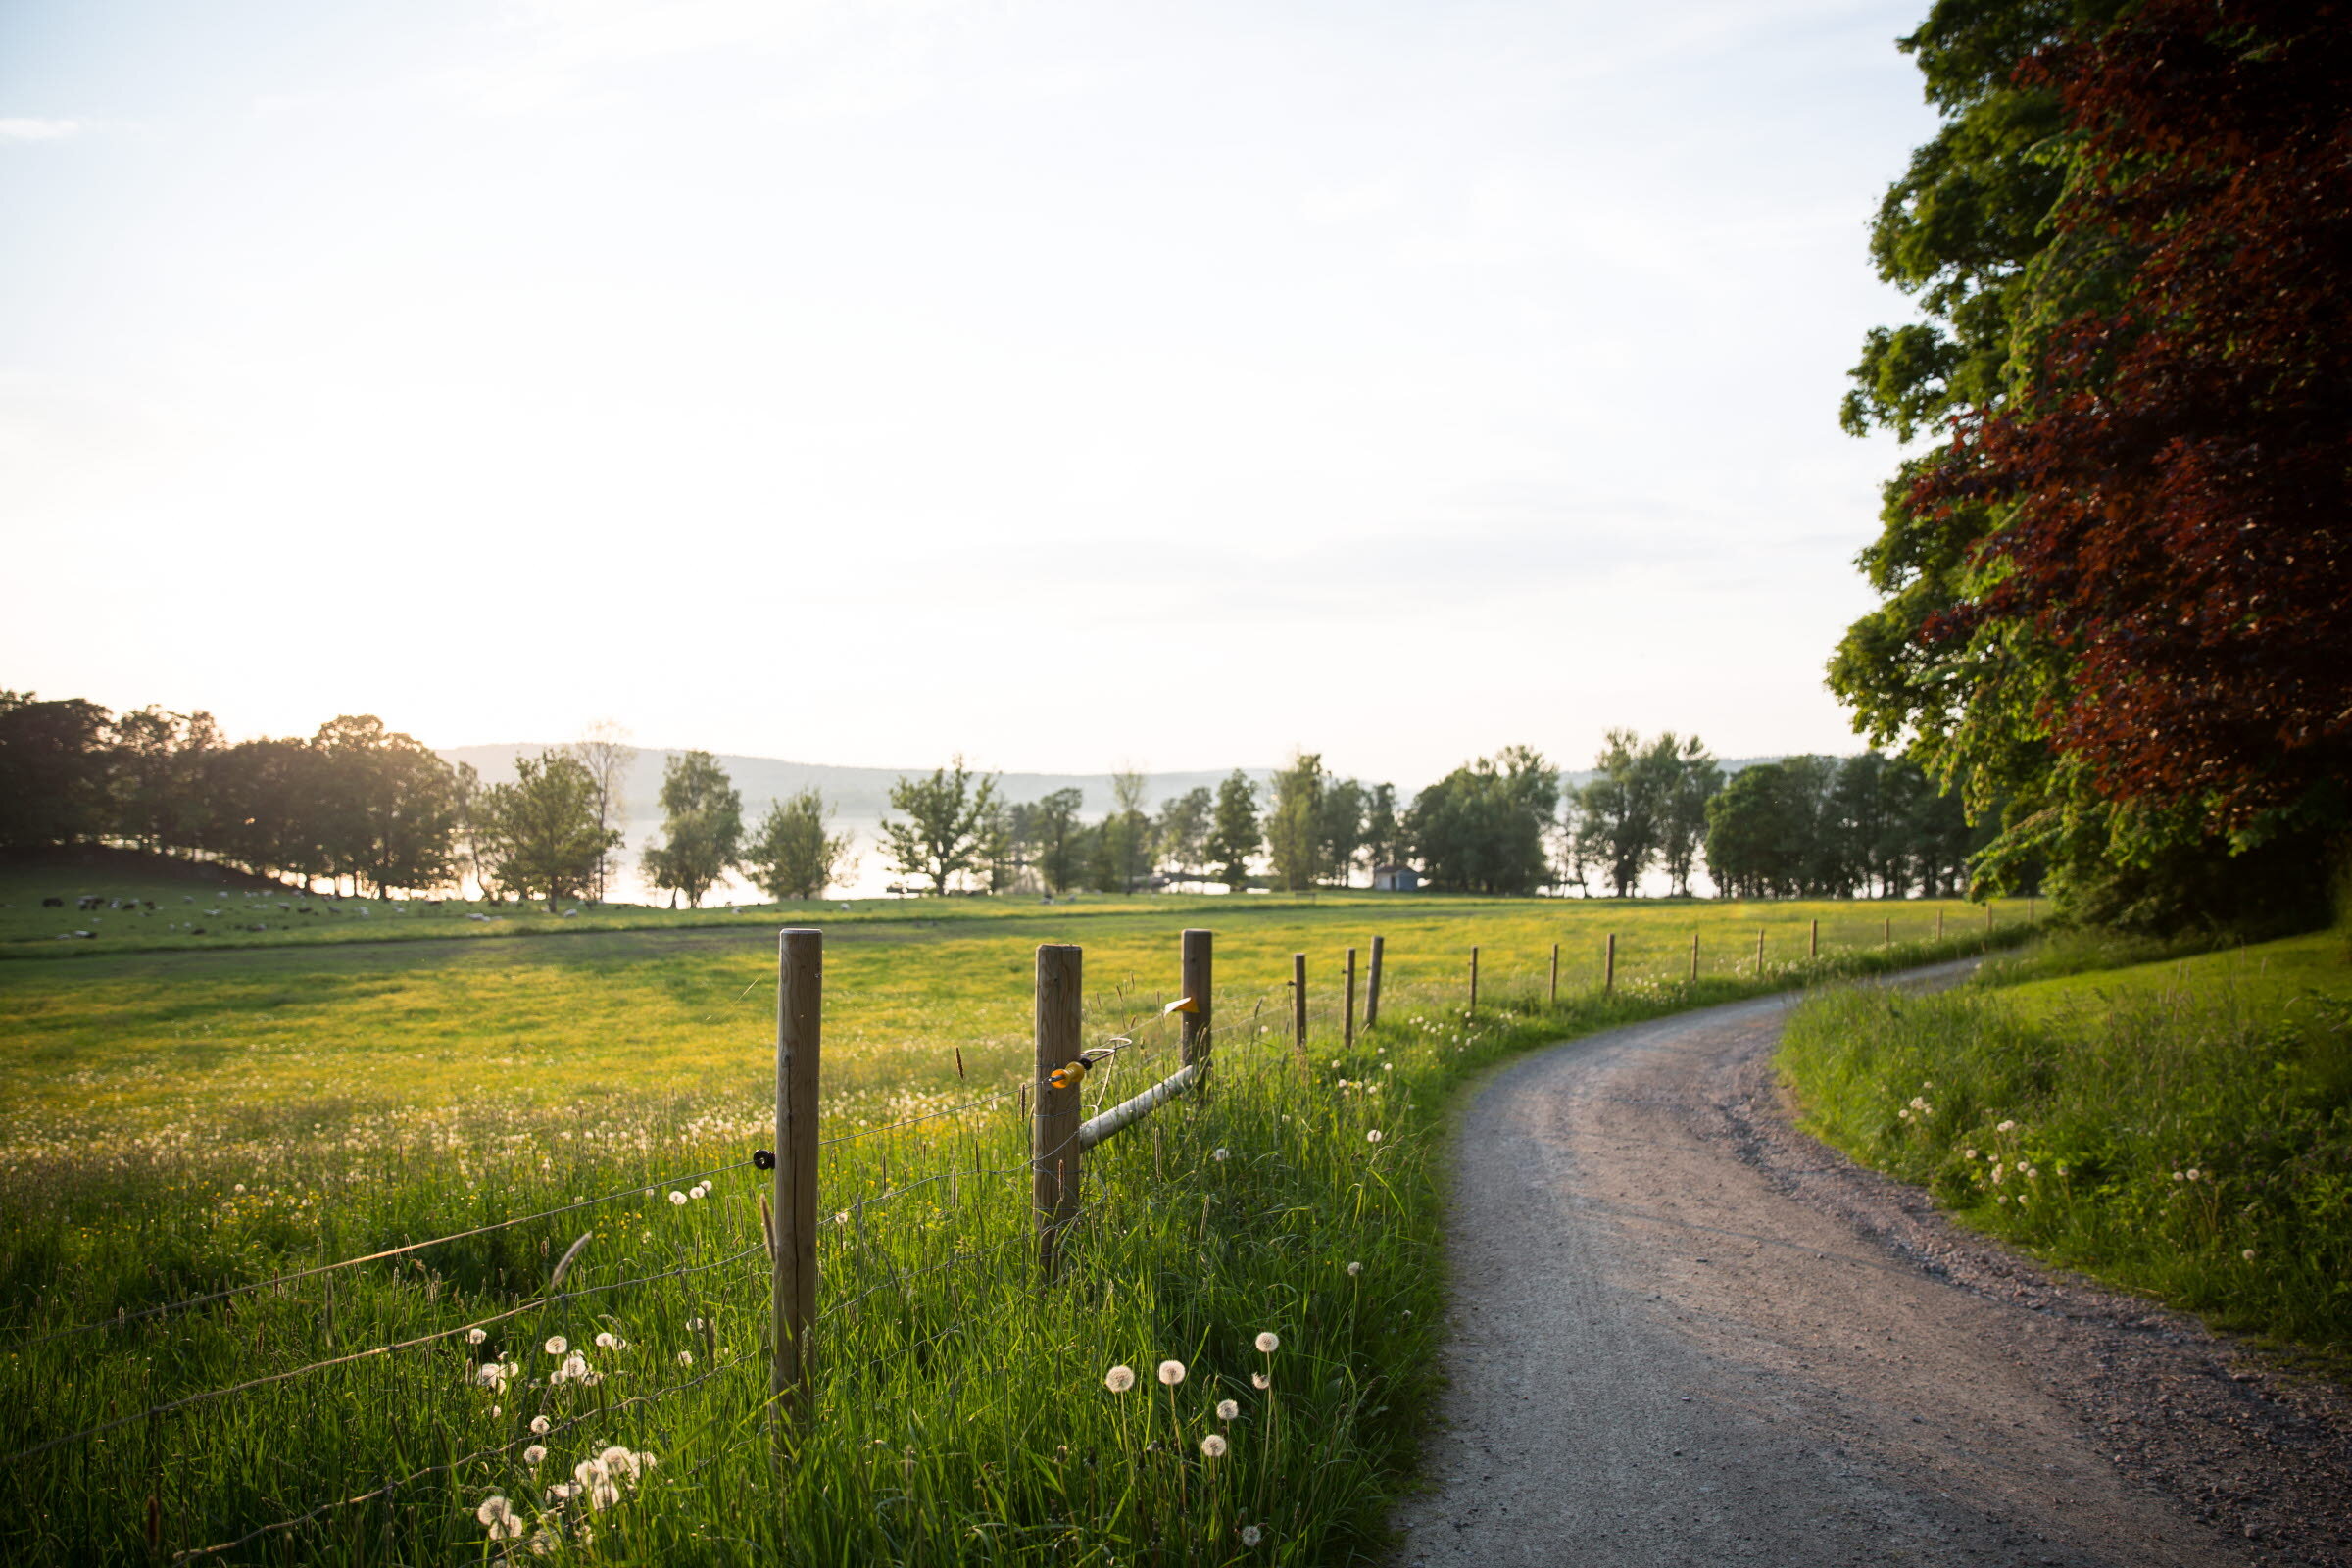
(960,1414)
(2180,1128)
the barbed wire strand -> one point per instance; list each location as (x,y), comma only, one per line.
(410,1479)
(122,1319)
(534,1305)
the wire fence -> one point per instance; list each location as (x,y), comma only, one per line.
(919,1220)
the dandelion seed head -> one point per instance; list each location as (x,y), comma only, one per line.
(1259,1380)
(2247,1255)
(1223,1153)
(1213,1446)
(1171,1373)
(1227,1410)
(1119,1379)
(679,1198)
(685,1359)
(539,1425)
(608,1341)
(1372,1137)
(1269,1342)
(494,1508)
(1251,1535)
(694,1323)
(557,1344)
(475,1335)
(2006,1127)
(1355,1269)
(536,1453)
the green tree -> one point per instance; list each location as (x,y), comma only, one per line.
(606,753)
(1484,827)
(1236,836)
(1693,776)
(53,772)
(1125,847)
(945,833)
(1340,827)
(1183,833)
(792,855)
(701,825)
(1384,831)
(391,813)
(1060,838)
(541,829)
(1624,812)
(1295,822)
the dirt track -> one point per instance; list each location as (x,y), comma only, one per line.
(1684,1334)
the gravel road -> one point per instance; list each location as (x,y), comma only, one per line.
(1682,1333)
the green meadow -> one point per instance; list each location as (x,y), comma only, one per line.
(2179,1126)
(186,1123)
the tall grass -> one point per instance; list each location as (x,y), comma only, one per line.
(960,1412)
(2195,1144)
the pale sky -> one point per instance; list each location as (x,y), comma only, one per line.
(1064,384)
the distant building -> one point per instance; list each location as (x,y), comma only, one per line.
(1395,879)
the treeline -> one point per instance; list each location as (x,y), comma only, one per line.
(1812,826)
(375,810)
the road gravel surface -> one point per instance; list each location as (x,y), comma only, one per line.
(1682,1333)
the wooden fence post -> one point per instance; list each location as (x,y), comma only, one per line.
(1372,984)
(1348,1006)
(1197,976)
(1939,923)
(1555,974)
(800,1021)
(1694,957)
(1474,979)
(1814,951)
(1298,1006)
(1608,966)
(1055,1169)
(1759,952)
(1886,932)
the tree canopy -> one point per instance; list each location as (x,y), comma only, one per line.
(945,833)
(2112,596)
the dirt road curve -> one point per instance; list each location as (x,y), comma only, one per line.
(1684,1334)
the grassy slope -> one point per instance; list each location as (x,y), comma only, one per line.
(2182,1127)
(186,1119)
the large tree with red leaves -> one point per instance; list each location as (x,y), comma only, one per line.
(2120,596)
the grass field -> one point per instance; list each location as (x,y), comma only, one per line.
(2181,1126)
(183,1122)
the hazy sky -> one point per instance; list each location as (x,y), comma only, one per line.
(1068,384)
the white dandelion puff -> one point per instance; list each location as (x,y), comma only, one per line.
(539,1426)
(1171,1373)
(1355,1269)
(1212,1446)
(694,1323)
(608,1341)
(1372,1137)
(678,1199)
(475,1335)
(1269,1342)
(2247,1255)
(557,1345)
(1223,1153)
(493,1509)
(1251,1535)
(685,1359)
(1227,1410)
(2006,1127)
(536,1453)
(1259,1380)
(1119,1379)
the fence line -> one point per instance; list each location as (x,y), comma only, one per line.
(1060,1135)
